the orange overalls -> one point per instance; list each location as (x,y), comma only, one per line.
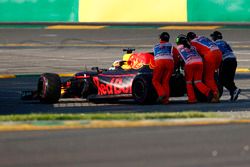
(163,56)
(193,72)
(212,57)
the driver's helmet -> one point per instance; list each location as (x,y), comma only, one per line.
(116,64)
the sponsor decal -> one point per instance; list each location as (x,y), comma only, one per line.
(113,85)
(138,60)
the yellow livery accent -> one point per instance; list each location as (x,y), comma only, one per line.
(66,75)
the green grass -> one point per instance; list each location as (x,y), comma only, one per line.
(108,116)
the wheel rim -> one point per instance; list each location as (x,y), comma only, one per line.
(42,87)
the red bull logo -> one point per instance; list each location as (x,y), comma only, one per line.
(138,60)
(113,86)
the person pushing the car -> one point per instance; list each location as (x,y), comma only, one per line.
(193,68)
(212,58)
(164,53)
(228,65)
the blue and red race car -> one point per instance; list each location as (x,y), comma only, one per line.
(129,78)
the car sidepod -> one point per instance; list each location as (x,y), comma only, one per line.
(80,85)
(114,83)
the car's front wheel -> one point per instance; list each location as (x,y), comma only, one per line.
(49,88)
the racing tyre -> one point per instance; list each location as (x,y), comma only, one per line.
(202,98)
(49,88)
(143,91)
(177,85)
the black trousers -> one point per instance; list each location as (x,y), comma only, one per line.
(227,73)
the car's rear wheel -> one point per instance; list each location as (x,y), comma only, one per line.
(201,97)
(49,88)
(143,91)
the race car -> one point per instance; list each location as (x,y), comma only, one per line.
(129,78)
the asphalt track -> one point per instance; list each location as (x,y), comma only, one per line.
(184,146)
(34,51)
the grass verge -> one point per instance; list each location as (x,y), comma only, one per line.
(108,116)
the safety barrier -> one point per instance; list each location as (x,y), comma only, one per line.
(38,10)
(146,11)
(132,11)
(218,10)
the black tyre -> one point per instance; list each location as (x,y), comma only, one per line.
(202,98)
(49,88)
(177,85)
(143,91)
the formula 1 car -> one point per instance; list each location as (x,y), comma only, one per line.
(129,78)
